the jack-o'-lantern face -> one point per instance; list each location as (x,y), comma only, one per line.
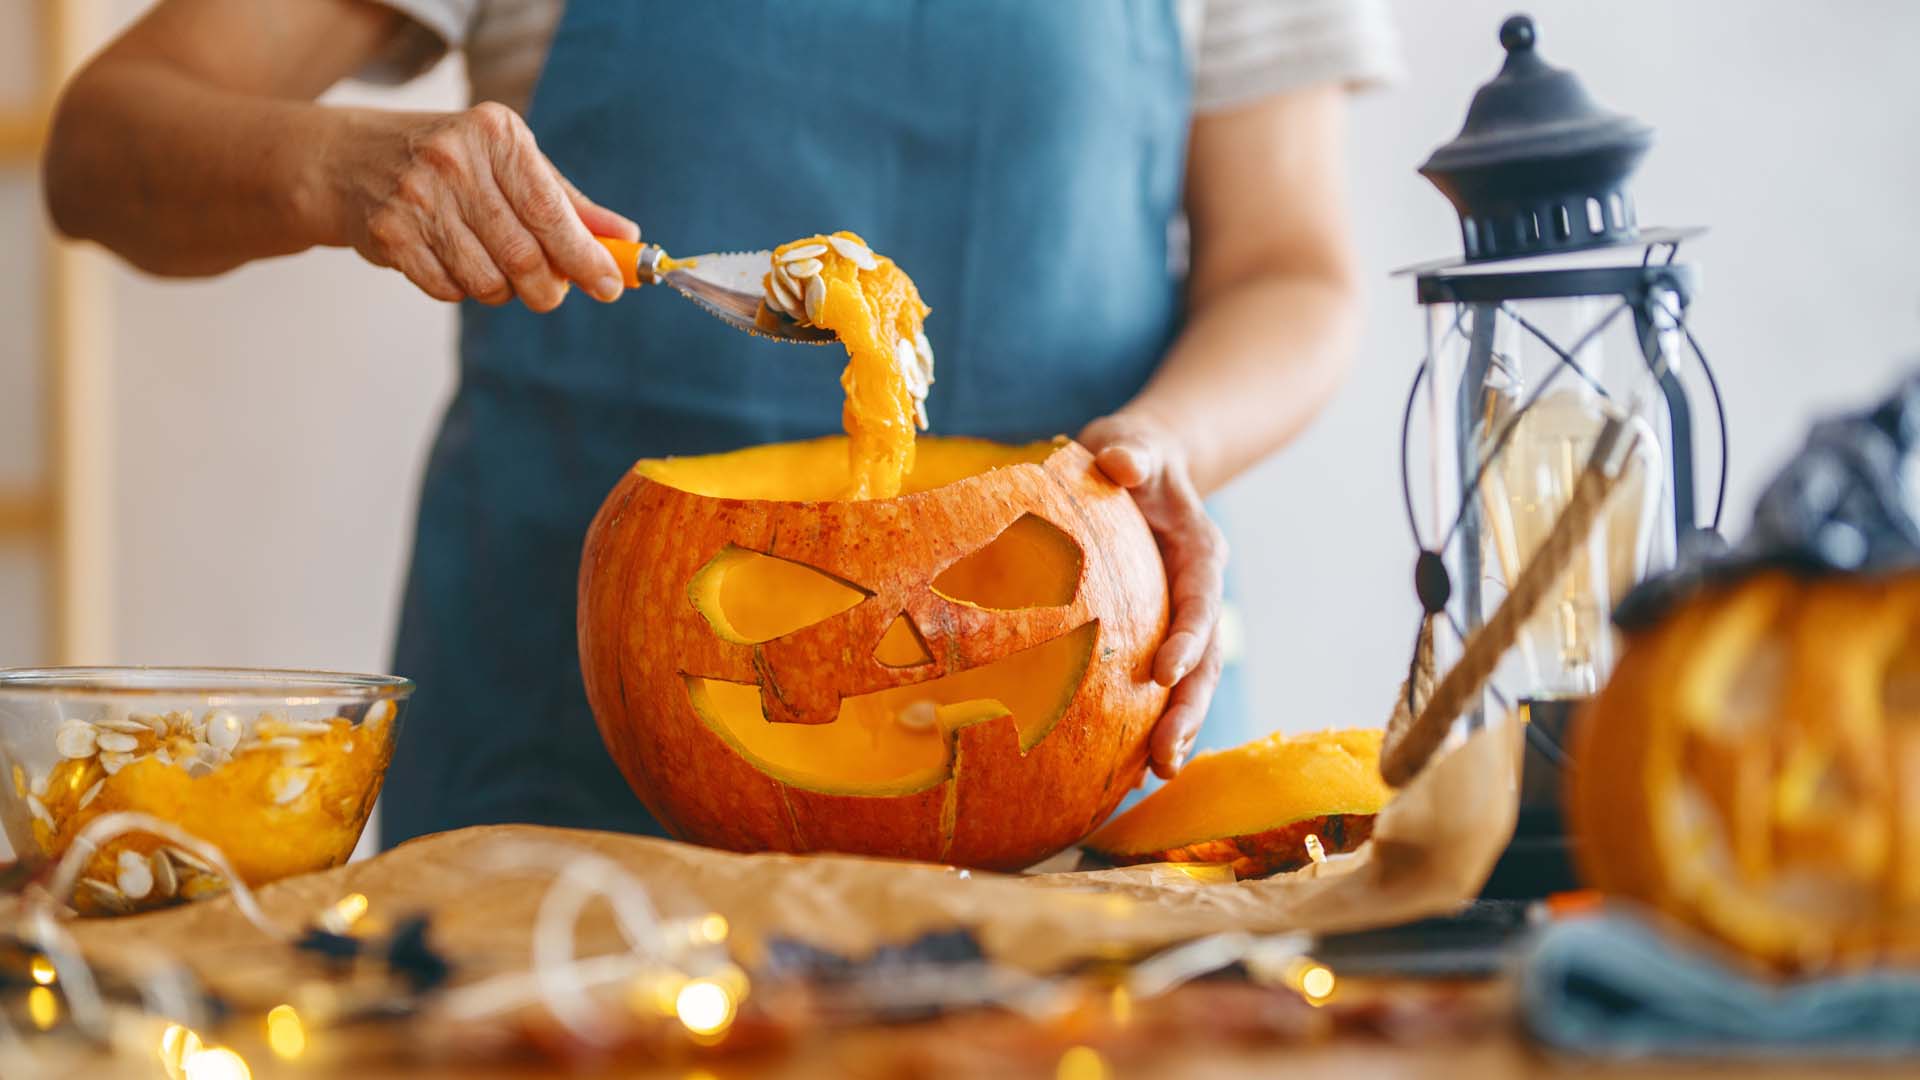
(1753,768)
(959,673)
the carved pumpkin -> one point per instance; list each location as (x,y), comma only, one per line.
(1253,807)
(957,674)
(1753,770)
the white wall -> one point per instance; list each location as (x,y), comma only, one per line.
(270,424)
(1788,127)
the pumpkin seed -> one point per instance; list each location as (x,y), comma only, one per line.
(156,723)
(40,811)
(92,793)
(224,730)
(780,291)
(924,349)
(126,725)
(278,742)
(306,727)
(804,251)
(805,268)
(165,881)
(106,895)
(858,254)
(816,298)
(113,763)
(288,786)
(39,785)
(379,712)
(919,716)
(75,739)
(189,861)
(116,742)
(135,878)
(1315,850)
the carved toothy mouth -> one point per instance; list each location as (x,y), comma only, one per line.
(883,743)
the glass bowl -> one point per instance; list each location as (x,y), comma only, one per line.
(276,769)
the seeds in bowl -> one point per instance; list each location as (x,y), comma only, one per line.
(276,795)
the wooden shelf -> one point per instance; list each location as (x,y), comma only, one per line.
(24,513)
(21,135)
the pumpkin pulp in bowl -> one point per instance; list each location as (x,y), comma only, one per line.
(958,672)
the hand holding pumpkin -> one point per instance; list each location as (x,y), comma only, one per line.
(1143,457)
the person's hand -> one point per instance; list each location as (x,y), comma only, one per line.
(466,205)
(1142,457)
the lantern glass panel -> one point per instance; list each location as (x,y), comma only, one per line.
(1519,392)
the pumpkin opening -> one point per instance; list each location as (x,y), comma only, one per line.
(902,645)
(867,749)
(816,470)
(1031,564)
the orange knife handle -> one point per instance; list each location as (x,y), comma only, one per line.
(635,259)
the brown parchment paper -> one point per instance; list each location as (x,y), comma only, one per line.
(1432,848)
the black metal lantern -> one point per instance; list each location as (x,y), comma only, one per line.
(1525,363)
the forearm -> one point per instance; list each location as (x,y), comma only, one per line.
(1252,368)
(180,178)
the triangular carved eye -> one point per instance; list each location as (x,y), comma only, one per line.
(748,597)
(902,645)
(1030,564)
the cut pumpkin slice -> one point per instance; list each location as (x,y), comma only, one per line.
(1253,807)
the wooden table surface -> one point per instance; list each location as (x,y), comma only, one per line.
(1211,1030)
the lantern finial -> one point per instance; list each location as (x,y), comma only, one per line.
(1539,166)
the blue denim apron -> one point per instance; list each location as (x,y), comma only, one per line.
(1021,159)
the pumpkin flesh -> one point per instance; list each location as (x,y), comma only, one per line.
(871,311)
(1253,806)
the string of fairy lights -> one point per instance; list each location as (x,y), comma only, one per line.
(674,978)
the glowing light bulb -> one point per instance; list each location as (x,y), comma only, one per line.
(43,1008)
(1316,983)
(712,929)
(177,1043)
(286,1035)
(344,913)
(704,1007)
(215,1063)
(1081,1063)
(43,972)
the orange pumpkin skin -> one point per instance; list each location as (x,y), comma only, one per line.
(1752,770)
(642,639)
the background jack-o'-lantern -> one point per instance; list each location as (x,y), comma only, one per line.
(959,674)
(1753,769)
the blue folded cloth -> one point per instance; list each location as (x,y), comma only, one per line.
(1613,985)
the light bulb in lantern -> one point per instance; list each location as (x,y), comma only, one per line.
(1568,644)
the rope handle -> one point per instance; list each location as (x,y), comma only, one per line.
(1407,747)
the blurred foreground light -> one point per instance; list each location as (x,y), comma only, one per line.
(712,929)
(1316,983)
(286,1035)
(43,971)
(344,913)
(215,1063)
(704,1007)
(43,1008)
(1082,1063)
(177,1044)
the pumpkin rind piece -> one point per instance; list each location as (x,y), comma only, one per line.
(1253,806)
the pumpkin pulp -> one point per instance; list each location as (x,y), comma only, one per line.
(749,597)
(871,311)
